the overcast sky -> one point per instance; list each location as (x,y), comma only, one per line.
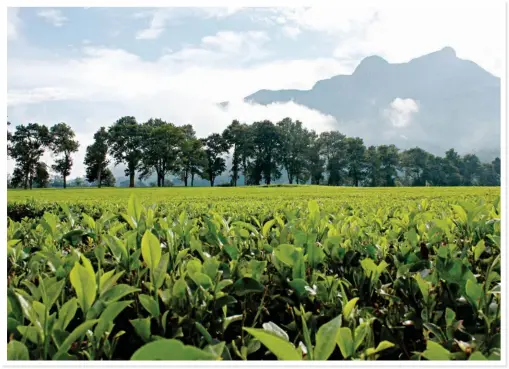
(90,66)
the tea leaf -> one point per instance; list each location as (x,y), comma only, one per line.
(17,351)
(170,349)
(280,347)
(326,339)
(345,342)
(150,250)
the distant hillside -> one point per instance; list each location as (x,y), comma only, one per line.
(455,103)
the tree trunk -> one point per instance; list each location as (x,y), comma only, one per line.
(99,177)
(131,178)
(212,181)
(158,181)
(185,180)
(65,181)
(192,179)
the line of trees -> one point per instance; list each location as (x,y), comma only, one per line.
(261,152)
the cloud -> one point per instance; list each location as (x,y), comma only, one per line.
(13,23)
(400,33)
(182,87)
(161,16)
(53,16)
(401,111)
(291,32)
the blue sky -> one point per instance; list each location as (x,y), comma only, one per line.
(90,66)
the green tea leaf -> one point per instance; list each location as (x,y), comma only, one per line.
(84,283)
(384,345)
(149,304)
(479,249)
(283,349)
(150,250)
(477,356)
(17,351)
(345,342)
(348,308)
(326,339)
(435,351)
(66,314)
(246,286)
(142,328)
(73,337)
(108,316)
(170,349)
(474,292)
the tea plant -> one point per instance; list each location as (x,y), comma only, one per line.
(386,275)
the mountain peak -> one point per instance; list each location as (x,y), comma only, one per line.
(371,63)
(449,51)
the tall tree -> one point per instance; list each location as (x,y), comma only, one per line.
(215,146)
(63,143)
(234,137)
(267,151)
(125,140)
(333,145)
(470,169)
(295,142)
(191,157)
(372,160)
(389,162)
(161,145)
(27,145)
(356,160)
(41,178)
(315,161)
(96,159)
(414,162)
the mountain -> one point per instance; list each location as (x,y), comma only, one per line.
(436,101)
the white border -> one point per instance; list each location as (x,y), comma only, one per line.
(266,3)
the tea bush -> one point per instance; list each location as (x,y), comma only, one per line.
(305,274)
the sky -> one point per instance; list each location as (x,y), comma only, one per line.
(90,66)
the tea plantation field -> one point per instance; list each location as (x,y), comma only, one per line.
(264,273)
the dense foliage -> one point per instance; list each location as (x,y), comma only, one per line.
(308,273)
(262,152)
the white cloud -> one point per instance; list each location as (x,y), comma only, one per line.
(181,87)
(53,16)
(291,32)
(13,23)
(401,111)
(400,33)
(161,16)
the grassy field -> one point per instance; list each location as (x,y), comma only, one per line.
(239,196)
(288,273)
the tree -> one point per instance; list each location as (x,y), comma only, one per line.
(266,151)
(191,157)
(414,162)
(372,160)
(333,151)
(295,142)
(63,142)
(233,135)
(125,140)
(107,178)
(215,146)
(161,147)
(389,162)
(356,161)
(315,161)
(96,159)
(41,178)
(27,146)
(470,169)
